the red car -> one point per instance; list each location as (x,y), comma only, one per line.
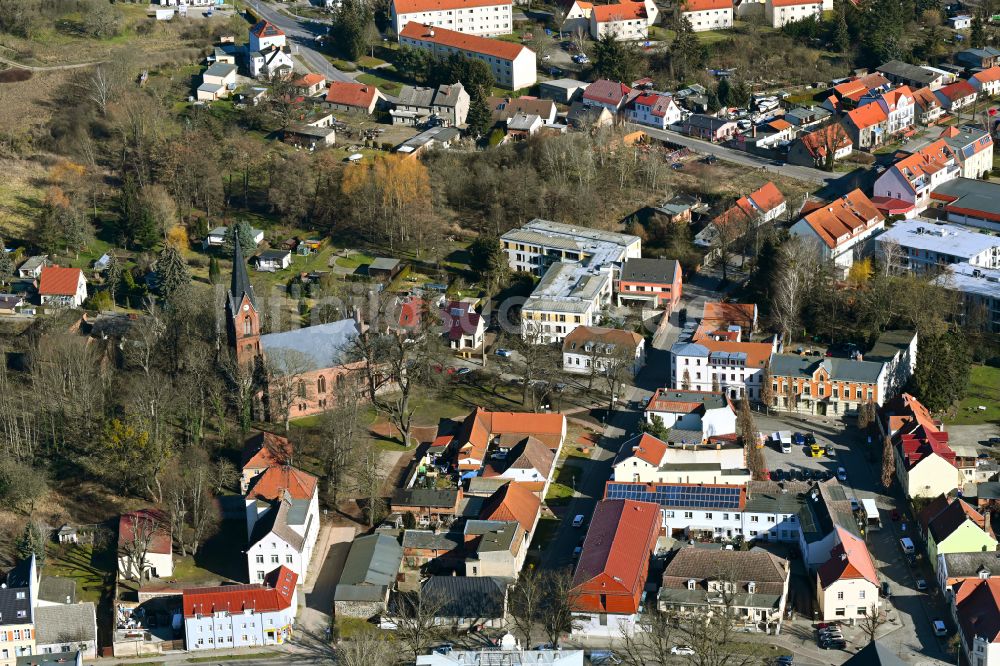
(895,515)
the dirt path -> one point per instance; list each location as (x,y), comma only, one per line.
(49,68)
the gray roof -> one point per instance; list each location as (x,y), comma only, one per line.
(313,347)
(220,69)
(17,586)
(495,535)
(650,270)
(239,285)
(66,623)
(969,279)
(480,485)
(425,497)
(889,344)
(566,84)
(801,115)
(690,349)
(840,369)
(703,121)
(975,195)
(33,263)
(448,94)
(969,565)
(483,597)
(273,254)
(826,506)
(210,87)
(430,540)
(771,497)
(57,590)
(523,121)
(988,490)
(278,519)
(370,568)
(768,573)
(416,96)
(961,242)
(383,263)
(907,71)
(875,654)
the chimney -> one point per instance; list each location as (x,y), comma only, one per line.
(843,557)
(430,33)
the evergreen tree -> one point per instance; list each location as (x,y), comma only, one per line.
(479,119)
(31,541)
(171,271)
(942,376)
(350,29)
(6,265)
(724,92)
(489,260)
(214,272)
(977,34)
(888,463)
(687,53)
(113,276)
(244,232)
(655,427)
(617,60)
(841,34)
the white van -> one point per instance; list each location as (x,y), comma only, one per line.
(907,544)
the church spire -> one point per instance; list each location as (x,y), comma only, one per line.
(240,285)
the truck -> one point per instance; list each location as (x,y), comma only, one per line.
(784,439)
(872,518)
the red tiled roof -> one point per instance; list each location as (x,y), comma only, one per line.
(267,450)
(57,281)
(705,5)
(603,90)
(817,141)
(957,90)
(309,80)
(977,605)
(271,484)
(779,124)
(718,314)
(658,403)
(480,425)
(266,29)
(657,103)
(988,75)
(275,595)
(892,206)
(768,197)
(925,98)
(867,116)
(789,3)
(462,41)
(409,313)
(848,559)
(513,502)
(414,6)
(621,11)
(839,221)
(360,95)
(615,554)
(647,448)
(161,543)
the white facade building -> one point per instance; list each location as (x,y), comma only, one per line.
(628,20)
(840,226)
(926,245)
(653,109)
(781,12)
(473,17)
(709,14)
(264,35)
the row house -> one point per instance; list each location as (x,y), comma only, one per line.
(847,584)
(779,13)
(756,510)
(957,96)
(925,463)
(953,568)
(952,525)
(927,107)
(473,17)
(849,93)
(513,65)
(825,386)
(986,82)
(654,110)
(708,14)
(899,108)
(913,178)
(840,226)
(628,20)
(976,607)
(718,459)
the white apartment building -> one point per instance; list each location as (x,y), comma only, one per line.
(628,20)
(709,14)
(768,511)
(980,291)
(513,65)
(653,109)
(473,17)
(735,368)
(913,178)
(235,616)
(840,226)
(781,12)
(578,266)
(926,245)
(282,511)
(899,108)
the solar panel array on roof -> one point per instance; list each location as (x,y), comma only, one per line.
(699,497)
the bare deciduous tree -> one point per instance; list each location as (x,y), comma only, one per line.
(134,546)
(651,641)
(367,648)
(285,373)
(870,622)
(527,599)
(559,600)
(416,619)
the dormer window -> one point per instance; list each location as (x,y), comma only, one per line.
(691,584)
(751,587)
(984,574)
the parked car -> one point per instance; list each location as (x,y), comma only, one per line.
(578,520)
(577,551)
(463,371)
(939,628)
(784,660)
(798,439)
(921,584)
(841,475)
(838,644)
(886,590)
(604,657)
(505,353)
(810,439)
(830,452)
(683,650)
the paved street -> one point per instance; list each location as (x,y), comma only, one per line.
(301,35)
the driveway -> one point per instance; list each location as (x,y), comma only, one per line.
(316,614)
(301,36)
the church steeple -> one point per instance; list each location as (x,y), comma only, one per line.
(241,308)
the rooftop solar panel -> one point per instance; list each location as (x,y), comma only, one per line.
(677,495)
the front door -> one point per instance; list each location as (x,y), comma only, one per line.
(821,408)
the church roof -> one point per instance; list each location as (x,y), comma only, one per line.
(240,285)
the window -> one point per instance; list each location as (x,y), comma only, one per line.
(840,612)
(688,514)
(20,595)
(260,575)
(274,559)
(861,594)
(840,595)
(260,559)
(754,519)
(708,515)
(247,325)
(302,388)
(321,384)
(288,559)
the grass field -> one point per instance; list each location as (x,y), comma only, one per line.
(387,86)
(984,390)
(92,572)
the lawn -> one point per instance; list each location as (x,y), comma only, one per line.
(984,389)
(215,560)
(368,62)
(92,572)
(561,489)
(385,85)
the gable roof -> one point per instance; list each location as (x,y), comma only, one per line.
(266,29)
(617,546)
(58,281)
(867,116)
(608,92)
(527,454)
(842,219)
(370,568)
(161,543)
(816,142)
(474,435)
(658,103)
(66,623)
(348,93)
(874,654)
(620,11)
(483,597)
(988,75)
(645,447)
(705,5)
(413,6)
(512,502)
(463,41)
(977,605)
(275,481)
(956,514)
(648,269)
(265,449)
(848,559)
(274,595)
(925,98)
(956,90)
(580,336)
(506,107)
(309,80)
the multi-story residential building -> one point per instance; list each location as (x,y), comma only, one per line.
(653,109)
(733,367)
(953,526)
(866,126)
(62,286)
(235,616)
(754,583)
(708,14)
(976,605)
(972,148)
(610,577)
(825,386)
(824,509)
(473,17)
(579,266)
(979,289)
(597,350)
(651,282)
(513,65)
(781,12)
(927,246)
(577,20)
(749,212)
(719,460)
(18,599)
(264,35)
(913,178)
(957,96)
(850,92)
(627,20)
(840,226)
(953,568)
(899,109)
(282,512)
(927,107)
(986,82)
(759,510)
(416,104)
(847,584)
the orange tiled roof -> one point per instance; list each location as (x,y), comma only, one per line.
(351,94)
(267,450)
(622,11)
(817,141)
(928,160)
(892,97)
(789,3)
(415,6)
(867,116)
(480,425)
(977,605)
(309,80)
(842,219)
(513,502)
(57,281)
(779,124)
(768,197)
(462,41)
(705,5)
(988,75)
(856,564)
(275,480)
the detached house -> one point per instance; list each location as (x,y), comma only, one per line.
(840,226)
(610,577)
(596,350)
(708,14)
(62,286)
(491,436)
(782,12)
(749,212)
(913,178)
(956,96)
(705,416)
(813,149)
(709,128)
(927,106)
(282,512)
(987,82)
(847,584)
(310,85)
(627,20)
(650,282)
(653,109)
(348,96)
(866,126)
(956,528)
(607,94)
(448,102)
(976,605)
(217,82)
(972,148)
(260,453)
(264,35)
(136,528)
